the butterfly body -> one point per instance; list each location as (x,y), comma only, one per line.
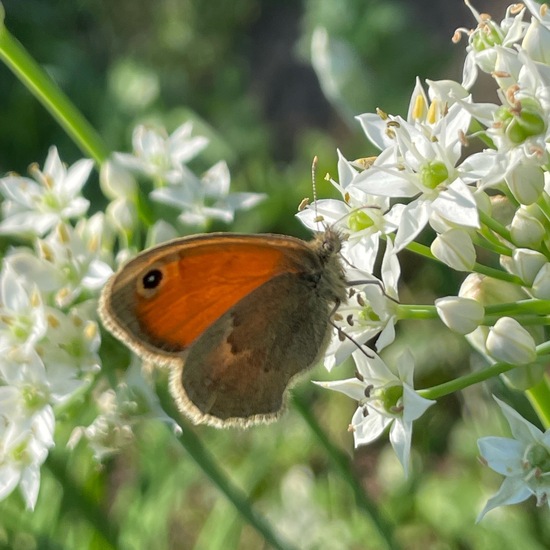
(234,317)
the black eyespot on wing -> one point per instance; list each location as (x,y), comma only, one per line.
(152,279)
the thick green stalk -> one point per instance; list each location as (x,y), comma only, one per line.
(39,83)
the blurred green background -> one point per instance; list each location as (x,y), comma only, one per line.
(242,70)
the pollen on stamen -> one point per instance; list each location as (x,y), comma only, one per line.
(63,233)
(500,74)
(432,112)
(360,300)
(319,219)
(463,138)
(303,203)
(347,197)
(35,298)
(381,114)
(93,244)
(337,317)
(359,376)
(482,461)
(341,336)
(390,133)
(349,319)
(457,36)
(543,9)
(62,295)
(419,108)
(90,331)
(365,412)
(368,390)
(516,8)
(53,322)
(351,428)
(511,93)
(46,251)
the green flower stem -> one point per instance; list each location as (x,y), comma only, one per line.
(49,94)
(498,228)
(532,306)
(524,320)
(211,468)
(544,206)
(489,244)
(406,311)
(75,498)
(423,250)
(342,462)
(465,381)
(532,311)
(497,274)
(539,397)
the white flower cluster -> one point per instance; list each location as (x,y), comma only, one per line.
(162,161)
(49,336)
(430,175)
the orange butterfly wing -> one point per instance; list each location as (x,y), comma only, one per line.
(201,278)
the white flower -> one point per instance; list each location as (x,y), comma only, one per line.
(69,260)
(120,411)
(162,157)
(370,311)
(207,198)
(35,207)
(384,399)
(486,37)
(21,455)
(421,164)
(524,460)
(22,313)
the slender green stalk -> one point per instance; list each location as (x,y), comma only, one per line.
(531,306)
(495,226)
(76,498)
(342,462)
(209,466)
(423,250)
(482,241)
(406,311)
(497,274)
(14,55)
(539,397)
(542,203)
(465,381)
(524,320)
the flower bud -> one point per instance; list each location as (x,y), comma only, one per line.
(463,315)
(537,42)
(526,263)
(161,232)
(525,228)
(510,343)
(526,182)
(121,215)
(455,248)
(487,290)
(115,181)
(541,284)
